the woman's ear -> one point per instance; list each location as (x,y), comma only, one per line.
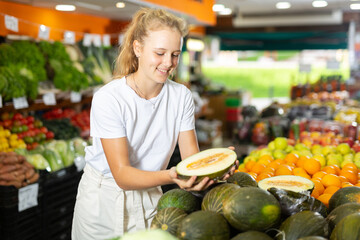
(137,48)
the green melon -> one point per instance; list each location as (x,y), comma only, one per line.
(204,225)
(303,224)
(213,200)
(344,195)
(213,163)
(287,182)
(348,228)
(252,235)
(252,208)
(340,212)
(168,219)
(179,198)
(242,179)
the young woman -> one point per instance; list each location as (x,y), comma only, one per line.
(136,121)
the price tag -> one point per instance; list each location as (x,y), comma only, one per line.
(75,97)
(11,23)
(305,68)
(96,40)
(69,37)
(20,102)
(44,32)
(87,40)
(106,40)
(1,104)
(49,99)
(28,196)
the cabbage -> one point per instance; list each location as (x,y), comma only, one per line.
(38,161)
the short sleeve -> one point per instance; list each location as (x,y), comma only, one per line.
(106,118)
(188,118)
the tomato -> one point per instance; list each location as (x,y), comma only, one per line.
(30,119)
(49,135)
(18,116)
(43,130)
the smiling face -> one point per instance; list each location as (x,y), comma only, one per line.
(159,55)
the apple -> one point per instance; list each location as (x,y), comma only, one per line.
(280,143)
(249,158)
(320,158)
(271,145)
(289,149)
(346,162)
(279,154)
(357,162)
(300,146)
(316,149)
(343,148)
(334,158)
(328,150)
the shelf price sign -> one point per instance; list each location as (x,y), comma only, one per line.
(49,99)
(75,97)
(1,104)
(20,102)
(28,196)
(11,23)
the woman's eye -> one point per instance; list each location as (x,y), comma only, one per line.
(176,55)
(160,54)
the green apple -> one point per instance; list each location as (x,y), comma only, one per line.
(345,162)
(249,158)
(264,151)
(300,146)
(321,159)
(357,162)
(343,148)
(279,154)
(348,157)
(254,153)
(305,152)
(271,145)
(357,156)
(328,150)
(316,149)
(280,143)
(289,149)
(333,158)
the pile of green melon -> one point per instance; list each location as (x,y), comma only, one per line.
(239,209)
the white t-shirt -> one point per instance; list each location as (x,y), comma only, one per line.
(151,127)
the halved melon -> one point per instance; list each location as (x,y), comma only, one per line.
(287,182)
(213,163)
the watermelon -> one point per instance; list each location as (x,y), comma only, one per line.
(242,179)
(213,163)
(204,225)
(251,208)
(303,224)
(287,182)
(168,219)
(348,228)
(213,200)
(252,235)
(344,195)
(340,212)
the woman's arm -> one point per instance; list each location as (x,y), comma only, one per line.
(126,176)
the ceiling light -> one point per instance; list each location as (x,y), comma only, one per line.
(218,7)
(195,45)
(64,7)
(319,3)
(226,11)
(355,6)
(283,5)
(120,4)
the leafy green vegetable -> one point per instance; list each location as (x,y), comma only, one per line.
(38,161)
(7,54)
(53,159)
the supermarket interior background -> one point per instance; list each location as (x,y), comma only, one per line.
(261,72)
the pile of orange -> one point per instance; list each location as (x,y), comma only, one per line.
(327,180)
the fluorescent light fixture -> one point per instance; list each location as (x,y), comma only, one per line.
(195,45)
(218,7)
(226,11)
(355,6)
(283,5)
(120,4)
(65,7)
(319,3)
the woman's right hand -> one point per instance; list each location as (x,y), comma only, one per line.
(189,184)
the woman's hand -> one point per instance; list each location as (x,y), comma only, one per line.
(189,184)
(233,168)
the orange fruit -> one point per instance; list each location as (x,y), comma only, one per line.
(331,180)
(352,177)
(304,175)
(312,166)
(351,166)
(357,185)
(241,170)
(319,187)
(265,159)
(315,193)
(319,174)
(324,198)
(331,189)
(268,170)
(249,165)
(337,169)
(254,175)
(258,167)
(283,170)
(346,184)
(291,158)
(297,171)
(343,179)
(329,169)
(263,176)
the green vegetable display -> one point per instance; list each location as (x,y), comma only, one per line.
(54,160)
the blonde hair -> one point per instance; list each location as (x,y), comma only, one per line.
(144,20)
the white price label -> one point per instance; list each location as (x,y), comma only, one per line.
(20,102)
(75,97)
(69,37)
(49,99)
(106,40)
(1,104)
(28,196)
(96,40)
(44,32)
(87,40)
(305,68)
(11,23)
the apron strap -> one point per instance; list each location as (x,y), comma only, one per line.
(120,214)
(139,212)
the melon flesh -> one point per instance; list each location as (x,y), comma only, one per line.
(212,163)
(287,182)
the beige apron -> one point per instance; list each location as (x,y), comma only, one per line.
(103,210)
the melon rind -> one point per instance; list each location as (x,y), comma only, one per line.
(213,171)
(287,182)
